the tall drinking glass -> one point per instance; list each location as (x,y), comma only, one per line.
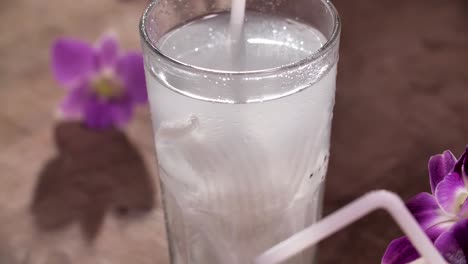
(242,132)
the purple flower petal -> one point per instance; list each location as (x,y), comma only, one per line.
(459,165)
(73,104)
(425,209)
(121,111)
(131,70)
(453,244)
(448,246)
(72,60)
(460,232)
(401,251)
(465,167)
(97,113)
(449,193)
(439,166)
(108,50)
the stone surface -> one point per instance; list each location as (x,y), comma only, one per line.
(402,96)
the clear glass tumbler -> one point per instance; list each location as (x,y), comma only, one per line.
(242,138)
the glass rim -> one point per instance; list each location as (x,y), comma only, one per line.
(329,44)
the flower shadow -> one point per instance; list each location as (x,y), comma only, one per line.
(94,174)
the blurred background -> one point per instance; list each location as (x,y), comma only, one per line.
(402,96)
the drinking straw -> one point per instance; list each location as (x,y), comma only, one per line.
(345,216)
(237,18)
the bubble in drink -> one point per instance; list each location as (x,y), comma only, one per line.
(239,177)
(269,42)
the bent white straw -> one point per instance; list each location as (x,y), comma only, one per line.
(372,201)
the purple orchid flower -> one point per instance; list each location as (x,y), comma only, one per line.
(443,215)
(103,84)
